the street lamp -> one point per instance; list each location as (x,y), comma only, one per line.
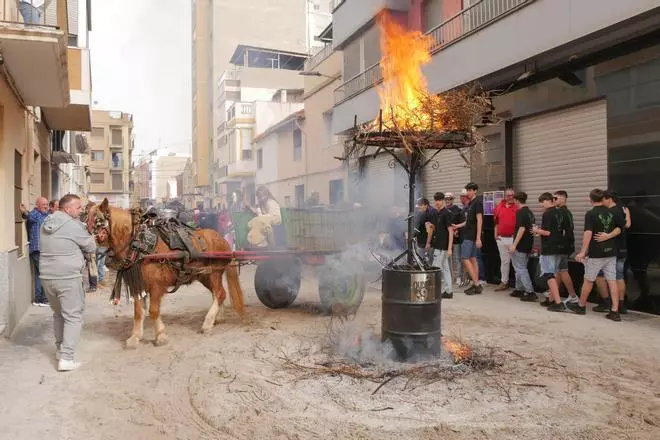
(315,73)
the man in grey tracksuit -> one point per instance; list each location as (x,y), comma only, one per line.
(64,240)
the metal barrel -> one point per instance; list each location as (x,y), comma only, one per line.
(411,312)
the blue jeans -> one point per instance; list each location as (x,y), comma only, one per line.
(39,296)
(441,259)
(523,280)
(457,263)
(100,262)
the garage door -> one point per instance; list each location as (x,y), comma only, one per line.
(451,176)
(384,186)
(566,149)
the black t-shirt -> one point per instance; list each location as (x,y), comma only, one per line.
(457,218)
(421,218)
(620,216)
(524,219)
(443,219)
(554,244)
(602,219)
(476,207)
(568,229)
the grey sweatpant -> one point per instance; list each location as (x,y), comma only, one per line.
(67,299)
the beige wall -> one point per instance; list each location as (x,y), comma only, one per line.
(202,90)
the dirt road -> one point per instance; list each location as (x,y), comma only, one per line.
(564,377)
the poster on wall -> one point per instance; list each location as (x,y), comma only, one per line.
(491,200)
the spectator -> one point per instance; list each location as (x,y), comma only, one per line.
(53,205)
(563,277)
(472,228)
(34,220)
(424,225)
(442,242)
(101,252)
(456,251)
(521,248)
(504,217)
(64,242)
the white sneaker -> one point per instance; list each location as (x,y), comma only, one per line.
(571,300)
(58,355)
(67,365)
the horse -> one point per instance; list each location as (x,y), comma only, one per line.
(156,276)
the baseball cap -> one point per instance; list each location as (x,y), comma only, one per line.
(449,195)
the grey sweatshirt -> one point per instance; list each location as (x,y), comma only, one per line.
(63,241)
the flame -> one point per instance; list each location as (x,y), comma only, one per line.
(404,86)
(460,351)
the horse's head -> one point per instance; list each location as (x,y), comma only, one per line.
(119,224)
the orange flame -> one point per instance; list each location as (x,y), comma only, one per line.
(460,351)
(403,55)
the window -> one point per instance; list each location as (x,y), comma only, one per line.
(432,14)
(246,144)
(260,158)
(98,132)
(117,182)
(18,199)
(297,144)
(336,191)
(117,161)
(246,155)
(97,178)
(330,138)
(98,155)
(117,136)
(300,195)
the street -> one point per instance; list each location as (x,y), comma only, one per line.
(563,376)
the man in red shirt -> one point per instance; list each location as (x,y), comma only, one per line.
(504,217)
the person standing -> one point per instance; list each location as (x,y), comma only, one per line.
(522,247)
(101,253)
(551,249)
(53,205)
(472,228)
(424,224)
(34,220)
(442,242)
(504,217)
(598,253)
(64,242)
(563,276)
(457,217)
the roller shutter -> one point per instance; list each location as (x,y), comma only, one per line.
(451,176)
(384,186)
(565,149)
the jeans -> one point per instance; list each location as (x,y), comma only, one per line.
(441,259)
(100,263)
(67,299)
(39,296)
(482,268)
(523,280)
(426,256)
(456,262)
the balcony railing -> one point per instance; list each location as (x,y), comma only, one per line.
(240,110)
(316,59)
(463,24)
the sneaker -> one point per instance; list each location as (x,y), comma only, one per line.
(517,293)
(571,299)
(483,282)
(469,290)
(614,316)
(91,290)
(546,302)
(576,308)
(554,307)
(476,291)
(502,287)
(447,295)
(601,308)
(529,297)
(58,355)
(67,365)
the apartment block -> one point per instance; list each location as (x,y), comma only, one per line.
(111,146)
(577,87)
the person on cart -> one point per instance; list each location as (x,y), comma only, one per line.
(268,214)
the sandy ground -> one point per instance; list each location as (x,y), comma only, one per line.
(564,377)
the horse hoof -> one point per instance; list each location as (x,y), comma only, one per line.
(160,341)
(132,343)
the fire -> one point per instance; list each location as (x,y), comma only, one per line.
(460,351)
(404,87)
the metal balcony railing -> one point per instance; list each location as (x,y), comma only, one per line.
(468,21)
(318,57)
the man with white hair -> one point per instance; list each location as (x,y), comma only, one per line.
(34,220)
(64,241)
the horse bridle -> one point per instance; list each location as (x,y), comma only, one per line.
(104,223)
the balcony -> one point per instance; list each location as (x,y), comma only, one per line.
(241,112)
(77,115)
(319,57)
(242,168)
(349,16)
(35,56)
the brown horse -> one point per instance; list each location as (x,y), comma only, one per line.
(158,276)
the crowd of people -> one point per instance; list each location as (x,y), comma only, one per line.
(451,238)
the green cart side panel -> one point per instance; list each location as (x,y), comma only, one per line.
(240,221)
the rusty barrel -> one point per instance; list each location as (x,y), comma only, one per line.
(411,312)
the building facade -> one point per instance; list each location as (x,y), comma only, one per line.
(40,82)
(165,167)
(577,88)
(109,159)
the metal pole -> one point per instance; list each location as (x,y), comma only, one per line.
(412,171)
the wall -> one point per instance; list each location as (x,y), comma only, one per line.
(270,113)
(349,17)
(270,146)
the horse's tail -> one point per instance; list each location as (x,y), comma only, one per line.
(235,290)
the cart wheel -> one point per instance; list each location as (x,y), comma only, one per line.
(277,282)
(341,285)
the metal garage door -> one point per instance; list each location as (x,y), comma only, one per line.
(384,186)
(451,176)
(565,149)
